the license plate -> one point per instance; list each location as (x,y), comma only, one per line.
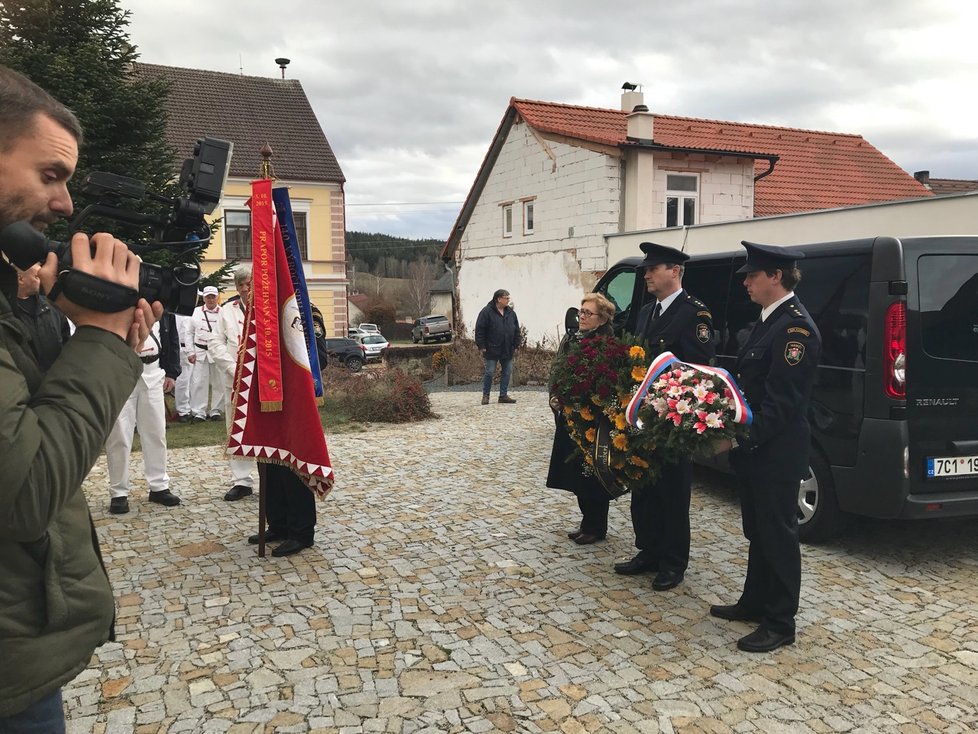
(951,466)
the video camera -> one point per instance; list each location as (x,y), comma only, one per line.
(179,226)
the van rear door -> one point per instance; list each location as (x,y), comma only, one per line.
(942,364)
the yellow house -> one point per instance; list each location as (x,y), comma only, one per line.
(255,112)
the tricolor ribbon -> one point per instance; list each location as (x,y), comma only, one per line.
(742,412)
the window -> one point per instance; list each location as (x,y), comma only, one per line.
(237,234)
(508,220)
(681,200)
(620,290)
(527,217)
(948,287)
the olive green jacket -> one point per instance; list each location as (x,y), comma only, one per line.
(56,604)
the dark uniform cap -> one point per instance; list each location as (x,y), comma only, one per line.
(658,254)
(769,257)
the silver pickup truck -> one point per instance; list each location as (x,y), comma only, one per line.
(431,329)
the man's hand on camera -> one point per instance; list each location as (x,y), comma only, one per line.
(111,261)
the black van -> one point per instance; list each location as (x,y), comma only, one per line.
(894,413)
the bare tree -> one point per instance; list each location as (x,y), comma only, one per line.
(421,277)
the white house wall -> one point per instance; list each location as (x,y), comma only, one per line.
(543,286)
(726,186)
(939,215)
(577,201)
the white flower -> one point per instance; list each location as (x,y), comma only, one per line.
(713,420)
(659,405)
(683,407)
(675,391)
(700,391)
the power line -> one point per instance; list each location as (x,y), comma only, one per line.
(411,203)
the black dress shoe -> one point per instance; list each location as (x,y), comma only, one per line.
(164,497)
(638,564)
(573,534)
(237,492)
(764,640)
(270,537)
(734,612)
(587,539)
(290,547)
(119,505)
(665,580)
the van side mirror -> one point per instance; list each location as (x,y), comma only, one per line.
(571,321)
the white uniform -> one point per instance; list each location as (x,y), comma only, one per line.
(223,349)
(145,411)
(181,393)
(206,375)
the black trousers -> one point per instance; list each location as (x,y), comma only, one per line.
(290,504)
(770,518)
(660,518)
(594,510)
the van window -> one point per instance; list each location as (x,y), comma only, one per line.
(835,290)
(948,290)
(710,283)
(619,290)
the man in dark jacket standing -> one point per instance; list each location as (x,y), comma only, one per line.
(776,370)
(57,603)
(497,334)
(679,323)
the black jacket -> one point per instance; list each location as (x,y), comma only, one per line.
(685,329)
(47,326)
(776,372)
(169,346)
(497,334)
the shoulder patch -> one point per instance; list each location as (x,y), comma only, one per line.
(705,315)
(794,352)
(799,330)
(703,332)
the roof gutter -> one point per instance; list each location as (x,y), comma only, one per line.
(771,158)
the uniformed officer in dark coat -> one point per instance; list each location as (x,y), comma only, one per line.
(679,323)
(776,371)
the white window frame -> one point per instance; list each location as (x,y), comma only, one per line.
(239,203)
(681,196)
(529,211)
(507,219)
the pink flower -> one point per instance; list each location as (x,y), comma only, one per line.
(700,427)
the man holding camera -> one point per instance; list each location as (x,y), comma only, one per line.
(56,604)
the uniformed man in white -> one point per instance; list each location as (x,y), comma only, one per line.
(223,350)
(207,377)
(181,393)
(145,411)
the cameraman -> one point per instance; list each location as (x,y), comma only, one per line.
(56,604)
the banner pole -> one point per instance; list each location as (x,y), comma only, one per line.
(267,173)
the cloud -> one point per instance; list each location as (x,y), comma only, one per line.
(410,94)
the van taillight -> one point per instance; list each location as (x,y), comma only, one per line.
(895,351)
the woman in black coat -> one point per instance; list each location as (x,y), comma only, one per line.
(595,320)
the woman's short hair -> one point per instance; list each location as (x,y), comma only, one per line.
(502,292)
(241,274)
(602,306)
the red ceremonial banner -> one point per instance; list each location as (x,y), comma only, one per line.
(293,435)
(264,300)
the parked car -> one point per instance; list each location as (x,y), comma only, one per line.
(374,346)
(431,328)
(368,329)
(347,352)
(892,432)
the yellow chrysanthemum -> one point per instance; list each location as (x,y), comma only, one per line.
(638,461)
(620,421)
(587,415)
(568,411)
(589,434)
(596,400)
(638,373)
(588,459)
(620,442)
(636,353)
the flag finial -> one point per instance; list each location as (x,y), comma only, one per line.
(266,162)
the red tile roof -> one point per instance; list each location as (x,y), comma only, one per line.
(815,170)
(249,111)
(942,186)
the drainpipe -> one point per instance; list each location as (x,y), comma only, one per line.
(770,169)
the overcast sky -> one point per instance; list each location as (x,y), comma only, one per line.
(410,92)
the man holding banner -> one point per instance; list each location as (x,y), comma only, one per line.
(679,323)
(277,381)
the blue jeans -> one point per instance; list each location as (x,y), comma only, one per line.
(47,716)
(507,372)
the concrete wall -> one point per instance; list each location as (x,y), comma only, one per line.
(956,214)
(543,287)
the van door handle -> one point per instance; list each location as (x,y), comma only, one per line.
(965,447)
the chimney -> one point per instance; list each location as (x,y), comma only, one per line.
(923,177)
(640,123)
(282,63)
(631,96)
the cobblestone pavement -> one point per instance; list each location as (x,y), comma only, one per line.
(442,595)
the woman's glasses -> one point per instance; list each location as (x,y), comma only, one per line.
(586,314)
